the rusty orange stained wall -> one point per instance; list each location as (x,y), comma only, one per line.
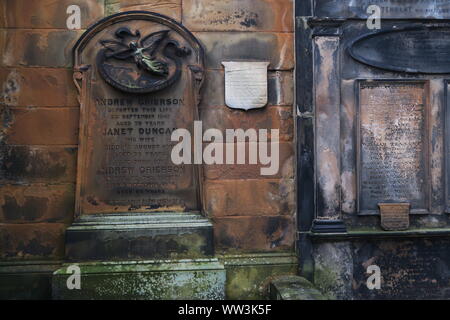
(39,114)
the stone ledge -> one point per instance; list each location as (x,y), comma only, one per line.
(139,236)
(28,280)
(24,266)
(258,259)
(376,234)
(293,288)
(200,279)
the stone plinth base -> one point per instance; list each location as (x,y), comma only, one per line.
(411,264)
(139,236)
(202,279)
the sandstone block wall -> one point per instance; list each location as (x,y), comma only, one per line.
(39,115)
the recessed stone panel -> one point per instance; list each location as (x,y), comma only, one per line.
(393,144)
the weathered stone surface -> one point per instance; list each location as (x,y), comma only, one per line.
(333,269)
(252,171)
(293,288)
(2,43)
(31,241)
(223,118)
(438,167)
(37,203)
(31,87)
(261,46)
(40,126)
(410,268)
(433,151)
(170,8)
(249,197)
(139,236)
(390,9)
(281,88)
(38,47)
(202,279)
(27,280)
(238,15)
(393,127)
(30,164)
(248,275)
(327,128)
(2,14)
(383,141)
(254,234)
(213,93)
(48,13)
(112,8)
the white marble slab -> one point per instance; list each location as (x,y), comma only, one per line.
(245,84)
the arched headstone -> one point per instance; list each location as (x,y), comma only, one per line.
(139,76)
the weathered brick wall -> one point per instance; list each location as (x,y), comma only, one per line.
(39,132)
(39,113)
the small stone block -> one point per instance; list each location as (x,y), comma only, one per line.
(394,216)
(293,288)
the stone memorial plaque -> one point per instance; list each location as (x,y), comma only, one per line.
(245,84)
(393,145)
(390,9)
(394,216)
(139,77)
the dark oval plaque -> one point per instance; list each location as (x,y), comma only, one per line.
(413,50)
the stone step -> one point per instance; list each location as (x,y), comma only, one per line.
(291,287)
(198,279)
(138,220)
(139,236)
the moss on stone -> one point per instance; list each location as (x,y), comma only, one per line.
(168,280)
(324,280)
(249,275)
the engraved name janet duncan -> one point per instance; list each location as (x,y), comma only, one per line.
(141,131)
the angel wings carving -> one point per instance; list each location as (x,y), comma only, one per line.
(141,51)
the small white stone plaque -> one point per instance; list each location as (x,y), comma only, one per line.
(245,84)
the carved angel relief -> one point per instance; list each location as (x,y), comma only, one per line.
(136,65)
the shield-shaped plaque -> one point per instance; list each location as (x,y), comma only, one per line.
(394,216)
(245,84)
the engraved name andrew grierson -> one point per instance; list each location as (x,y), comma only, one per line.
(140,101)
